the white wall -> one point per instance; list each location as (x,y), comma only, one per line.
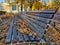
(1,7)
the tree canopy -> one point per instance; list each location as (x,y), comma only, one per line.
(37,5)
(56,3)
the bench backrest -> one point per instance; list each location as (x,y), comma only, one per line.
(48,13)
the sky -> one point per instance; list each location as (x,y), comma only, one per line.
(0,0)
(44,0)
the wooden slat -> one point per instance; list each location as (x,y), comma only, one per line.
(20,37)
(9,36)
(41,19)
(26,38)
(39,23)
(50,16)
(14,35)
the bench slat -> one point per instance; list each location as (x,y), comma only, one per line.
(26,38)
(48,11)
(50,16)
(42,25)
(41,19)
(14,37)
(20,37)
(31,38)
(9,36)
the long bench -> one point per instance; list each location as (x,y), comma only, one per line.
(41,16)
(38,23)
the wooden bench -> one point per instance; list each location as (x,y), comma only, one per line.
(35,20)
(38,23)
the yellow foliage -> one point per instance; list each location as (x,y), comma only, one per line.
(27,3)
(37,5)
